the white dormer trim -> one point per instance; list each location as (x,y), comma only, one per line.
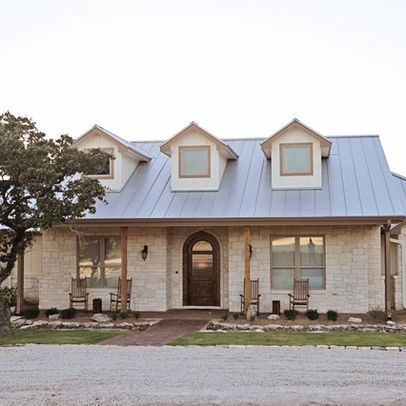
(325,143)
(123,145)
(222,146)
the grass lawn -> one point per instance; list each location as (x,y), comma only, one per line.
(56,337)
(293,338)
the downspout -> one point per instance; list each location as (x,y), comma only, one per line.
(388,285)
(401,272)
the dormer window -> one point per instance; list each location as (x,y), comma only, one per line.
(296,159)
(194,161)
(107,171)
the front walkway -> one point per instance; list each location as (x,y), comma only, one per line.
(160,334)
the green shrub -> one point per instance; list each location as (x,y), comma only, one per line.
(332,315)
(224,316)
(52,310)
(378,314)
(114,315)
(236,316)
(68,313)
(312,314)
(123,315)
(30,312)
(10,294)
(136,315)
(290,314)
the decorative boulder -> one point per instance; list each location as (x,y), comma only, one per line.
(273,317)
(354,320)
(40,323)
(100,318)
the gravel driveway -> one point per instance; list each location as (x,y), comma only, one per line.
(95,375)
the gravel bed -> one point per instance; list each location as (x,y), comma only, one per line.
(102,375)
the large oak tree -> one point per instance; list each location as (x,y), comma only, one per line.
(40,186)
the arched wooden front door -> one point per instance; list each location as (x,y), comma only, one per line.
(201,270)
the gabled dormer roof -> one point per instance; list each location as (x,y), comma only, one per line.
(222,146)
(295,123)
(123,145)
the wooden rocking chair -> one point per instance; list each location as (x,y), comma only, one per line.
(78,292)
(300,296)
(115,298)
(254,297)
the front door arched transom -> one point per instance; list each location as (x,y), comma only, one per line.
(201,270)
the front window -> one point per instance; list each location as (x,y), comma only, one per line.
(194,162)
(99,260)
(297,258)
(296,159)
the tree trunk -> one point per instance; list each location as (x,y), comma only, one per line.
(5,325)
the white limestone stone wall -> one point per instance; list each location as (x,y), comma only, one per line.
(32,270)
(354,282)
(149,277)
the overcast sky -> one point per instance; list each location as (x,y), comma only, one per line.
(145,69)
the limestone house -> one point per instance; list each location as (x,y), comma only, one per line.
(189,218)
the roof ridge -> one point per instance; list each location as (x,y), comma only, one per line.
(263,138)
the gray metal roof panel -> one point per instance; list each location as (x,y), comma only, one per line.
(356,182)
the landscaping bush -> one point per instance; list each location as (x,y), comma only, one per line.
(10,294)
(312,314)
(236,315)
(378,314)
(123,315)
(290,314)
(68,313)
(332,315)
(136,315)
(224,316)
(114,315)
(30,312)
(52,310)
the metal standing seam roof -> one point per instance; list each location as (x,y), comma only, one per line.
(356,181)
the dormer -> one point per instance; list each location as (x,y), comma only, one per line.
(198,159)
(296,152)
(125,156)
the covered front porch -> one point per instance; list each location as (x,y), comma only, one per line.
(186,266)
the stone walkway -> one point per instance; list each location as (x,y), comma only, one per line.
(160,334)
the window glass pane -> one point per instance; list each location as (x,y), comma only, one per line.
(316,277)
(311,251)
(296,159)
(89,250)
(105,168)
(202,246)
(202,266)
(93,276)
(112,261)
(283,251)
(89,260)
(394,252)
(195,162)
(282,278)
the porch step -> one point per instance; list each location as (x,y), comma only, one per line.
(161,333)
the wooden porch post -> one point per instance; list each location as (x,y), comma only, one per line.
(388,278)
(20,283)
(123,233)
(247,270)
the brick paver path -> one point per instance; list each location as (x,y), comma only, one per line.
(160,334)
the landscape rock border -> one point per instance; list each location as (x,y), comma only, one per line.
(23,324)
(390,327)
